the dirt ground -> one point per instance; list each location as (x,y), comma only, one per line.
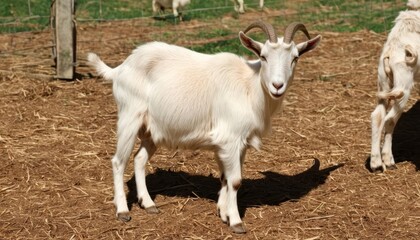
(309,181)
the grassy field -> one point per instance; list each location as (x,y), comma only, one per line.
(326,15)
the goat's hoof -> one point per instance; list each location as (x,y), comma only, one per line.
(377,170)
(238,228)
(125,216)
(152,210)
(391,167)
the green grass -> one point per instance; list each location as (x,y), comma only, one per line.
(111,9)
(324,15)
(232,45)
(17,15)
(349,16)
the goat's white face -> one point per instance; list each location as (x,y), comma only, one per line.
(403,63)
(278,61)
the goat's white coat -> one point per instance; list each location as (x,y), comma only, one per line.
(175,5)
(398,69)
(179,98)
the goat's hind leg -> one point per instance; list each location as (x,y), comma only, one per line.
(146,151)
(128,126)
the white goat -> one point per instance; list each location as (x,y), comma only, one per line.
(174,97)
(239,5)
(175,5)
(398,68)
(413,4)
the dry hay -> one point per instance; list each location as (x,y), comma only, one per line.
(308,182)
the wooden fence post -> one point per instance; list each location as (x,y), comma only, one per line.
(64,33)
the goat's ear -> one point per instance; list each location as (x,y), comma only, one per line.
(308,45)
(410,55)
(250,44)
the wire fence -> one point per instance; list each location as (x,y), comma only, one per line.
(334,15)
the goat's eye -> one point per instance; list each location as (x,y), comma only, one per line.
(263,58)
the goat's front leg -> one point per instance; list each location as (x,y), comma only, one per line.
(377,121)
(239,6)
(175,6)
(387,156)
(146,151)
(221,202)
(230,160)
(261,4)
(391,120)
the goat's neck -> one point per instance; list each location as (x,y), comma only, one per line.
(265,106)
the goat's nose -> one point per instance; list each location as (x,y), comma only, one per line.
(277,85)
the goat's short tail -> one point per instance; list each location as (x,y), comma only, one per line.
(394,94)
(101,68)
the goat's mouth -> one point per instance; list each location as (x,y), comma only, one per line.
(276,95)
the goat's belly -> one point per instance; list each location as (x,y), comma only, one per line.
(180,134)
(174,140)
(176,122)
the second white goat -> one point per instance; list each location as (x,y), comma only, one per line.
(398,69)
(174,97)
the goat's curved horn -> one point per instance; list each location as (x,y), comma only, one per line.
(290,31)
(266,27)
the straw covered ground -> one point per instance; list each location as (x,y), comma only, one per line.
(309,181)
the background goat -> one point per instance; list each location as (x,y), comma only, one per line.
(174,97)
(413,4)
(398,68)
(239,5)
(175,5)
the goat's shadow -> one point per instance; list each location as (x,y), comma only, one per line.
(406,138)
(273,189)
